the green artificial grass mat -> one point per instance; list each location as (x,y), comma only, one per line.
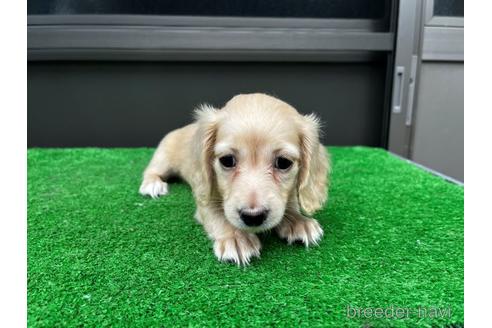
(101,255)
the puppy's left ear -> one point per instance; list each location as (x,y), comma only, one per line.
(314,167)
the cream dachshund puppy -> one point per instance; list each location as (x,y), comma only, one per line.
(255,165)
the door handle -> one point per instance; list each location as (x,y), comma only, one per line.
(398,89)
(411,90)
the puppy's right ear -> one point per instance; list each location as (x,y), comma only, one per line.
(207,120)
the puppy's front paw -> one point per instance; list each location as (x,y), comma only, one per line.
(308,231)
(238,249)
(153,188)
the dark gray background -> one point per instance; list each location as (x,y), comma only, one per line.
(126,104)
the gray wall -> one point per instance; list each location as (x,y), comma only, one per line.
(126,104)
(438,132)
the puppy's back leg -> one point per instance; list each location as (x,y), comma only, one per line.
(158,169)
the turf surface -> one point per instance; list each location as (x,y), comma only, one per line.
(100,255)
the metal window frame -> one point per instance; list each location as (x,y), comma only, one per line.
(405,76)
(443,44)
(433,20)
(172,38)
(206,21)
(443,36)
(418,39)
(129,37)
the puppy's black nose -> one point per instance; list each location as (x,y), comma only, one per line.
(253,218)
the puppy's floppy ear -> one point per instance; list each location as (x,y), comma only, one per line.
(314,167)
(207,120)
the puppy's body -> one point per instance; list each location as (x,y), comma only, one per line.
(252,166)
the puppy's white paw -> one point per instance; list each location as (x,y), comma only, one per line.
(154,188)
(308,231)
(238,249)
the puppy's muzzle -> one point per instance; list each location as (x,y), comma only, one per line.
(253,217)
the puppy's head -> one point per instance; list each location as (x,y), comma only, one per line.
(258,157)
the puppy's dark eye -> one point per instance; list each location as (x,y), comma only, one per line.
(228,161)
(282,163)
